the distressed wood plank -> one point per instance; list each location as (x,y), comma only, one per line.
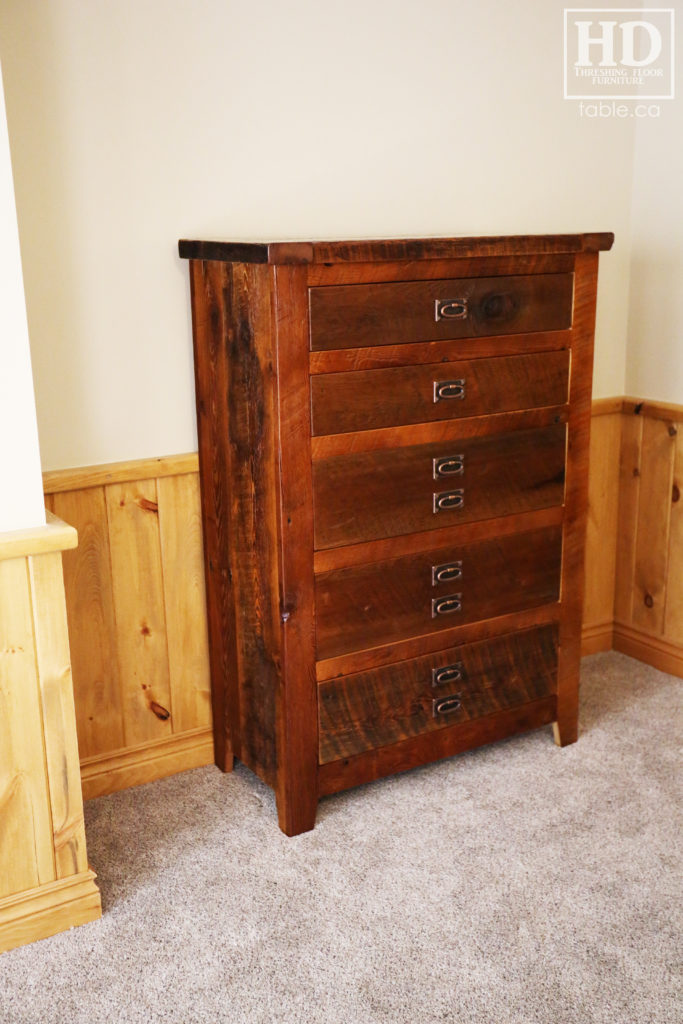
(59,719)
(132,515)
(576,497)
(652,527)
(26,852)
(92,626)
(390,313)
(185,601)
(297,786)
(385,706)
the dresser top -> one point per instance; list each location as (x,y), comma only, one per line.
(377,250)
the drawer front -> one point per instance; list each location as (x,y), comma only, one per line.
(384,706)
(353,316)
(368,399)
(365,606)
(369,495)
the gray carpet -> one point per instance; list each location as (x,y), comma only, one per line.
(513,884)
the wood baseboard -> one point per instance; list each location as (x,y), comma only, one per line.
(38,913)
(653,650)
(597,637)
(107,773)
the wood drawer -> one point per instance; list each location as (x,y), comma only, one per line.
(368,399)
(369,495)
(352,316)
(365,606)
(384,706)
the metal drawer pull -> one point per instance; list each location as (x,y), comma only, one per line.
(446,605)
(446,573)
(447,674)
(450,309)
(446,705)
(448,465)
(448,500)
(444,389)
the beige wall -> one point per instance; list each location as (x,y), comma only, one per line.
(136,122)
(21,492)
(655,329)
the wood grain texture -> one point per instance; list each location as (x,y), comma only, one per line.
(370,495)
(43,911)
(385,706)
(390,249)
(180,529)
(417,750)
(576,497)
(650,409)
(296,790)
(54,536)
(26,850)
(652,526)
(663,654)
(362,400)
(92,625)
(442,430)
(132,766)
(323,274)
(342,316)
(137,578)
(42,836)
(367,606)
(629,495)
(83,477)
(58,713)
(673,617)
(384,356)
(250,351)
(237,421)
(601,530)
(462,534)
(648,608)
(211,370)
(468,632)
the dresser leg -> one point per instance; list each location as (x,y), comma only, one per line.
(296,815)
(566,732)
(226,762)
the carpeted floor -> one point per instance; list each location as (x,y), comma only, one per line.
(517,883)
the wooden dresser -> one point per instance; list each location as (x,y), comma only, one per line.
(393,445)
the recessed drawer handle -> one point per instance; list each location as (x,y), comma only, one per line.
(446,705)
(447,674)
(446,605)
(446,573)
(449,500)
(444,389)
(450,309)
(448,465)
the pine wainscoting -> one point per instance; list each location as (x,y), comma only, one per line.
(648,604)
(137,619)
(137,612)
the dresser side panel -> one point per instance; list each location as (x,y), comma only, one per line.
(576,496)
(237,427)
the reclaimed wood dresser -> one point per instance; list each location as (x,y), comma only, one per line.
(393,446)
